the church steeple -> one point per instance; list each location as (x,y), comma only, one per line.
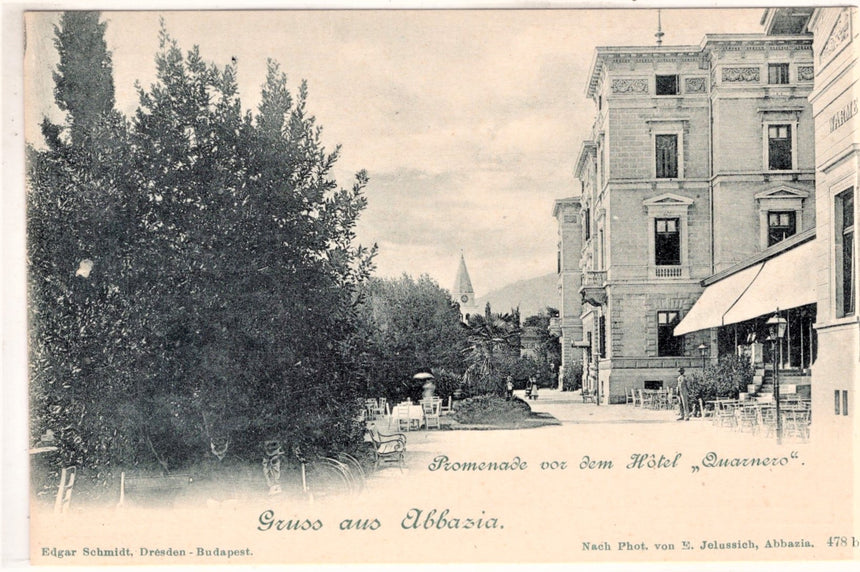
(463,290)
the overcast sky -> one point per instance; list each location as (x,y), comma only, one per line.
(468,122)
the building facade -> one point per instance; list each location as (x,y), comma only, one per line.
(568,325)
(699,157)
(837,140)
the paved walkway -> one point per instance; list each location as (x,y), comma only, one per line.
(586,428)
(552,489)
(568,407)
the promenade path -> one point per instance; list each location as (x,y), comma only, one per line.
(607,474)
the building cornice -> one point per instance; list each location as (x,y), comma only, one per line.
(634,54)
(710,42)
(722,41)
(569,201)
(586,149)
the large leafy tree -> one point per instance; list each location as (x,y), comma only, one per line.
(407,325)
(251,239)
(217,276)
(79,221)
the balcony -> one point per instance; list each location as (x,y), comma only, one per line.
(668,271)
(593,289)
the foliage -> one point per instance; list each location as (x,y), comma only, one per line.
(572,379)
(521,369)
(79,220)
(447,382)
(217,279)
(546,348)
(491,410)
(406,326)
(725,379)
(493,339)
(83,80)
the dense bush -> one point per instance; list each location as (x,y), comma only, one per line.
(490,410)
(724,379)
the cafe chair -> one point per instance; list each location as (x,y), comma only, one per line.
(431,413)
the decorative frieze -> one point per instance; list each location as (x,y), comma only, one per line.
(840,35)
(629,85)
(694,85)
(805,73)
(741,75)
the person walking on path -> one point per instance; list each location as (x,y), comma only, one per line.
(684,395)
(509,387)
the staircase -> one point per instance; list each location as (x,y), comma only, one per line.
(762,380)
(790,382)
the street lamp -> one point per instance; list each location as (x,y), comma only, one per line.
(703,351)
(776,330)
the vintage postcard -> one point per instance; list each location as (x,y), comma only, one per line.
(442,286)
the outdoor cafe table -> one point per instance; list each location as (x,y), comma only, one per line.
(415,412)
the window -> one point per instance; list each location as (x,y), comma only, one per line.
(586,223)
(601,325)
(777,73)
(667,242)
(666,233)
(602,154)
(779,147)
(667,156)
(780,225)
(780,215)
(667,85)
(601,260)
(840,406)
(667,343)
(846,287)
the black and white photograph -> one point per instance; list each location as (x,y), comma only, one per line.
(509,285)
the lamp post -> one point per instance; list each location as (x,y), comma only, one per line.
(776,329)
(703,351)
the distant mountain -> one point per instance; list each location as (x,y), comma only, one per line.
(531,295)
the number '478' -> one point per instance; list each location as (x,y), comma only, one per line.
(837,541)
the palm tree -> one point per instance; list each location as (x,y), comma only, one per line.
(492,337)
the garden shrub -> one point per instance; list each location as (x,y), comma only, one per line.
(490,410)
(724,379)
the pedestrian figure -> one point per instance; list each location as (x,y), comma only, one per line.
(534,388)
(509,387)
(684,396)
